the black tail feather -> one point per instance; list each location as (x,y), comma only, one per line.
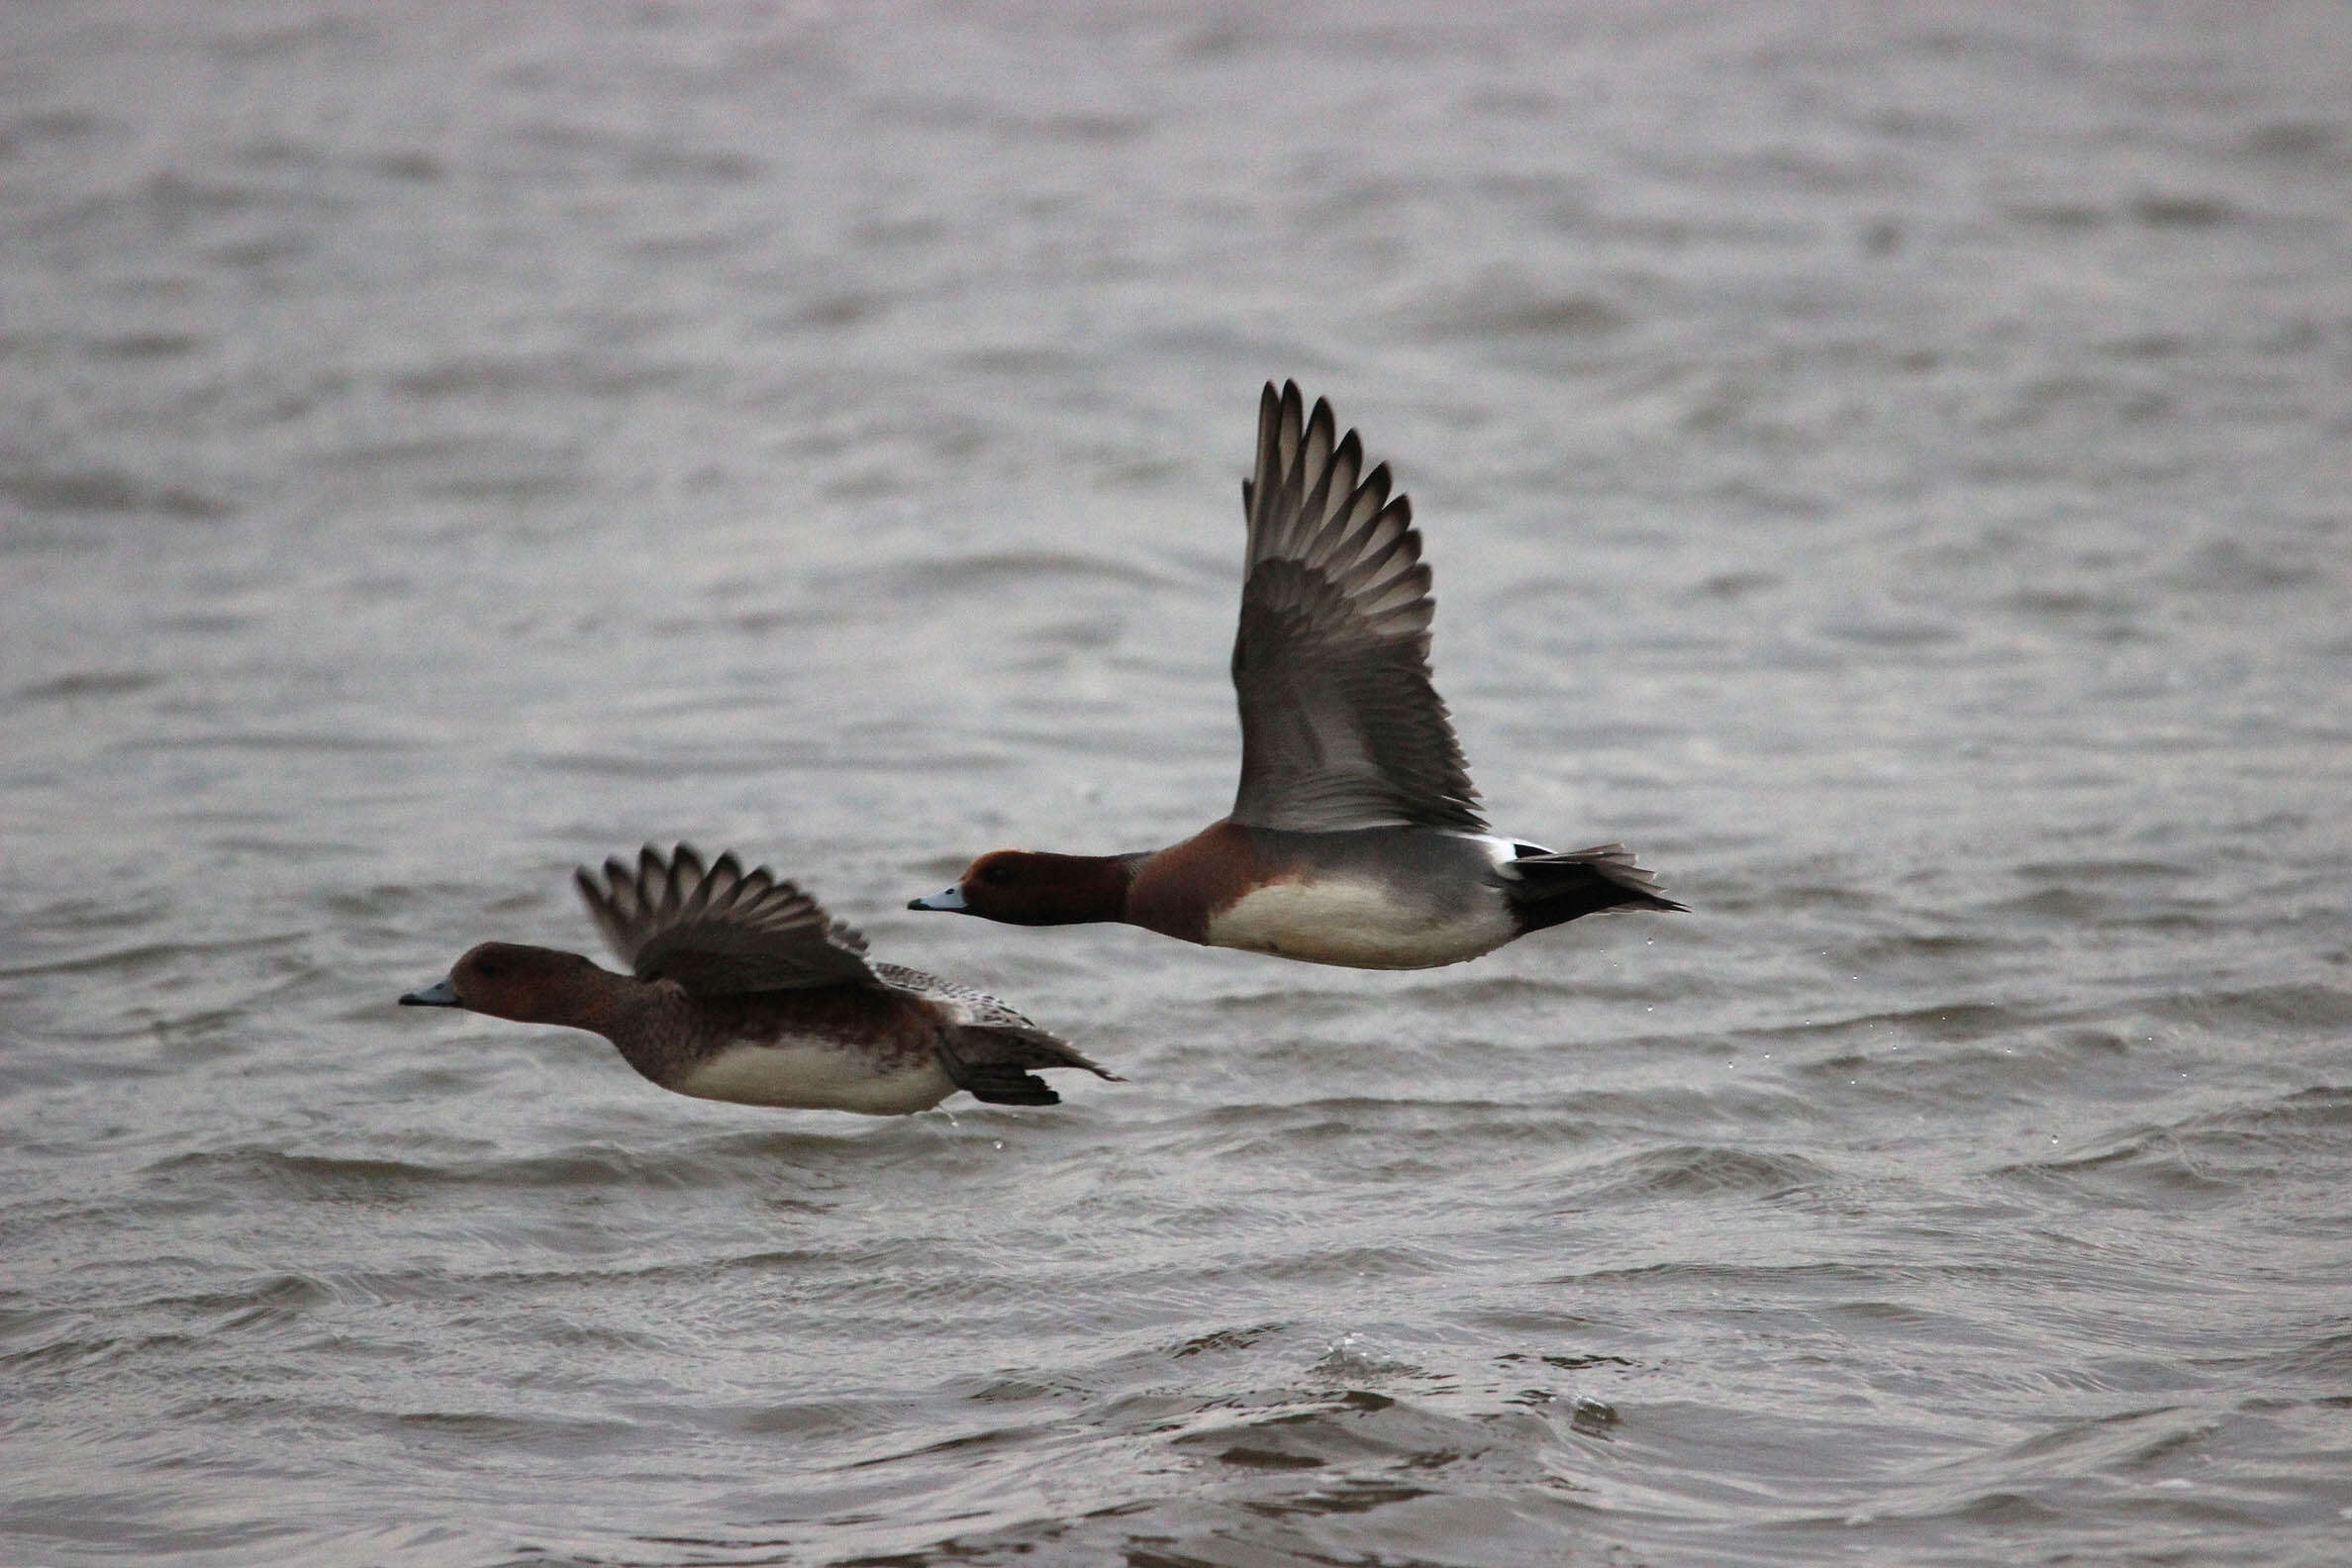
(1553,889)
(992,1064)
(1003,1085)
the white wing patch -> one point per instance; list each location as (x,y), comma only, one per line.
(1502,851)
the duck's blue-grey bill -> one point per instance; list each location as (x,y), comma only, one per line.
(951,899)
(441,995)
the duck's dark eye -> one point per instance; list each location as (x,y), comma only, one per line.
(998,875)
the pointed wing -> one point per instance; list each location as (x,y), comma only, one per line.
(720,929)
(1341,724)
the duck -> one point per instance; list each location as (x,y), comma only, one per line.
(1356,837)
(741,988)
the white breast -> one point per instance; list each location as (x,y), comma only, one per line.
(1357,923)
(817,1076)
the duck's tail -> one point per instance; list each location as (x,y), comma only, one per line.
(1553,889)
(992,1064)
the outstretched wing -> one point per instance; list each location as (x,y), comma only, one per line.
(720,929)
(1341,724)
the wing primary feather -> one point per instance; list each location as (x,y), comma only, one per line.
(1337,477)
(654,886)
(686,875)
(1313,461)
(602,910)
(717,930)
(713,898)
(1341,725)
(1358,515)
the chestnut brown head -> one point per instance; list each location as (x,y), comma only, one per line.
(1029,887)
(508,980)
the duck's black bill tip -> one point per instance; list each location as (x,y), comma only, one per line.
(441,994)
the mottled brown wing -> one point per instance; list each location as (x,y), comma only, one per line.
(1342,726)
(718,929)
(988,1048)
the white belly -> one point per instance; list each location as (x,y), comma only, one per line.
(1356,923)
(819,1077)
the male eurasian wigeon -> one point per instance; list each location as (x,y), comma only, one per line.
(743,989)
(1355,838)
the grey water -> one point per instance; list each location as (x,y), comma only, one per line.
(1889,463)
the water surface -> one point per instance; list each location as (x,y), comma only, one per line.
(1891,470)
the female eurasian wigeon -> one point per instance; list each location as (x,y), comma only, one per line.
(744,990)
(1355,838)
